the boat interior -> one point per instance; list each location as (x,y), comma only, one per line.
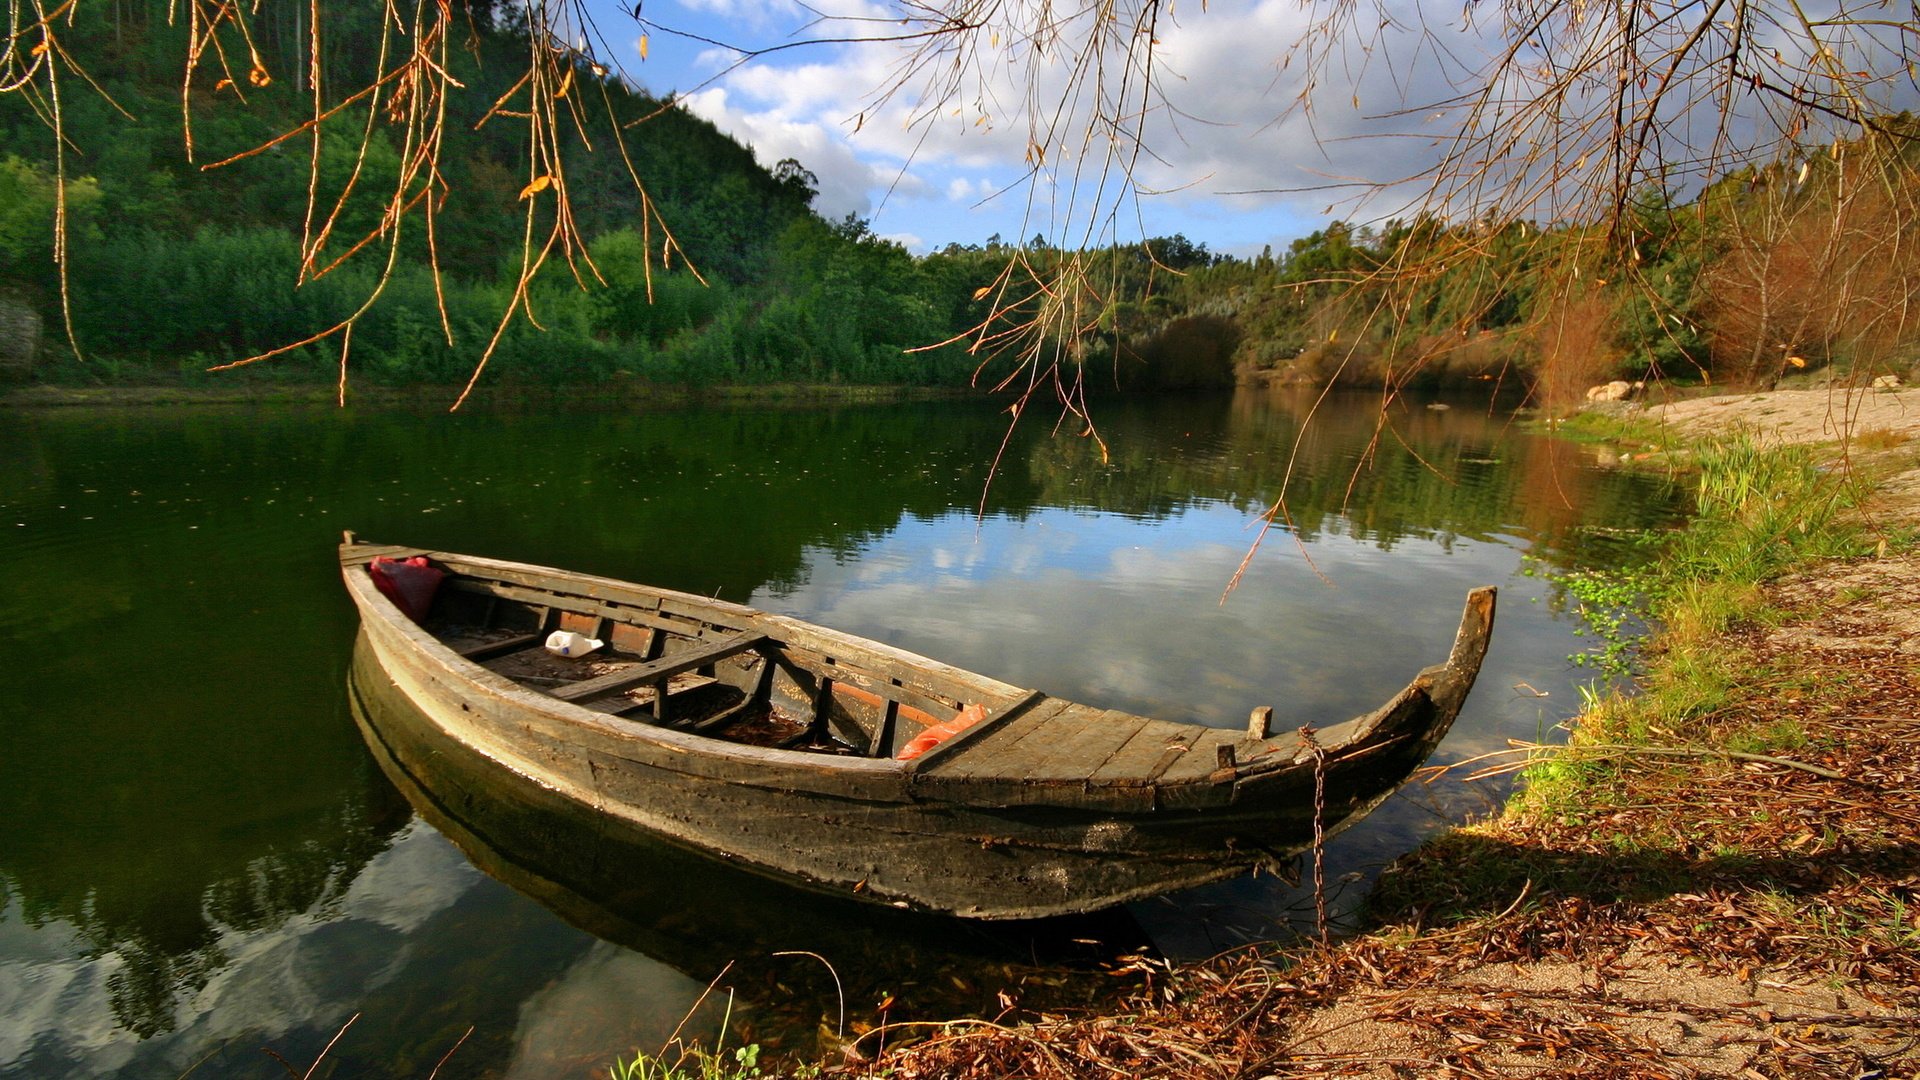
(668,663)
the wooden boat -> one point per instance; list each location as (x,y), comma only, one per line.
(776,744)
(626,885)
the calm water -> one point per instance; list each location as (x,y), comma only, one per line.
(200,859)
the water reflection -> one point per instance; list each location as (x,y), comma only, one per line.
(197,855)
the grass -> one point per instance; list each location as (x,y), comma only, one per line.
(697,1063)
(1879,439)
(1759,511)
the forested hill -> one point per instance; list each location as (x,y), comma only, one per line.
(175,266)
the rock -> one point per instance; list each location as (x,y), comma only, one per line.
(1617,390)
(1887,382)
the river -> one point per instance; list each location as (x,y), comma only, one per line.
(200,862)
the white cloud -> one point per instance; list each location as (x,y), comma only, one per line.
(1222,146)
(713,59)
(846,183)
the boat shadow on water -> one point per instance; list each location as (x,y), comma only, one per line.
(805,970)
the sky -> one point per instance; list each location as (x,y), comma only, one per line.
(1223,139)
(1004,145)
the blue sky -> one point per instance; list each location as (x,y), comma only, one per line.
(927,181)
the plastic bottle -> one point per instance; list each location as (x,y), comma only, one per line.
(568,643)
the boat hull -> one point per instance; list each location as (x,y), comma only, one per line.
(994,863)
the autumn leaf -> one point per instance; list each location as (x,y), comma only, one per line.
(981,292)
(566,84)
(258,76)
(540,184)
(643,46)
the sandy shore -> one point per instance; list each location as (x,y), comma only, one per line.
(1799,416)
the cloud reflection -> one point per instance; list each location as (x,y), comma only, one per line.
(309,972)
(1125,613)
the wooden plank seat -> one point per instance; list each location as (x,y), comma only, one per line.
(488,650)
(659,671)
(635,613)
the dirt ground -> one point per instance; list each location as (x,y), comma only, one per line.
(1799,416)
(1722,916)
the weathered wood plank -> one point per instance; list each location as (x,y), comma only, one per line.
(853,675)
(1150,752)
(997,718)
(1051,762)
(932,694)
(590,587)
(634,615)
(974,749)
(367,553)
(1011,757)
(634,640)
(889,727)
(624,706)
(491,649)
(939,678)
(1196,779)
(659,670)
(1076,744)
(1203,760)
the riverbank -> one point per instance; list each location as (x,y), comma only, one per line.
(1719,876)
